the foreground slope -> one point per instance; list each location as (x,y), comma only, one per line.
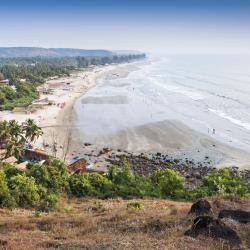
(115,224)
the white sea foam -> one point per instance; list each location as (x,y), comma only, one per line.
(231,119)
(180,90)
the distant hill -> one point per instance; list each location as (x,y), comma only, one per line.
(8,52)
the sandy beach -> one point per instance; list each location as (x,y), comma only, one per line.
(63,139)
(57,120)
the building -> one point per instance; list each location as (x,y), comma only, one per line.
(4,82)
(36,155)
(82,165)
(42,103)
(77,165)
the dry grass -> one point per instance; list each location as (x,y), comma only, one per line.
(112,224)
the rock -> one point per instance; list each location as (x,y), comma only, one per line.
(214,228)
(200,207)
(239,215)
(87,144)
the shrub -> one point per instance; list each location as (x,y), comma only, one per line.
(49,203)
(101,185)
(121,177)
(223,182)
(135,205)
(6,200)
(53,176)
(24,190)
(80,186)
(168,183)
(127,185)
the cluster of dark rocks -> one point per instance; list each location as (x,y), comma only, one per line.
(207,224)
(146,164)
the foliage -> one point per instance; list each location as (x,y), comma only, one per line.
(40,185)
(135,205)
(53,176)
(6,200)
(14,136)
(49,203)
(169,183)
(220,182)
(80,186)
(24,190)
(26,74)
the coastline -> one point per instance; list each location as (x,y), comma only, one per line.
(57,120)
(62,138)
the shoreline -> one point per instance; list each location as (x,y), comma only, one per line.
(57,121)
(63,139)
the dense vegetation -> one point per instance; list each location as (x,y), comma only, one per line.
(40,186)
(13,136)
(25,74)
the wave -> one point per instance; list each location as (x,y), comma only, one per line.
(184,91)
(231,119)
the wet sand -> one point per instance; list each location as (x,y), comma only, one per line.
(174,139)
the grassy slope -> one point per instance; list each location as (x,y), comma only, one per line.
(109,224)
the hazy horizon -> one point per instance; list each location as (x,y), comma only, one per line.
(168,27)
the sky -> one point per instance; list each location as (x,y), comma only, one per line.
(152,26)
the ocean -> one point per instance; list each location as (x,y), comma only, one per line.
(210,94)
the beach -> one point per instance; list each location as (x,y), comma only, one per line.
(93,110)
(150,110)
(57,120)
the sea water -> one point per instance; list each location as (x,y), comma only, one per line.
(210,94)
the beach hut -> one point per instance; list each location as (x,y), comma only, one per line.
(36,155)
(77,165)
(4,82)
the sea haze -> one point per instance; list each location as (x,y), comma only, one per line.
(203,92)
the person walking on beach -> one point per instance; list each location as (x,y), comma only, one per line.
(213,131)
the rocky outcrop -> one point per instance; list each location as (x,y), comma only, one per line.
(215,228)
(238,215)
(201,207)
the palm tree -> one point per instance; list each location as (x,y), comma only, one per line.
(31,130)
(15,129)
(4,132)
(14,148)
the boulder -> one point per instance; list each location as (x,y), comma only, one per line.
(239,215)
(215,228)
(200,207)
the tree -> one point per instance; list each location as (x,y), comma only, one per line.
(31,130)
(15,129)
(4,132)
(14,148)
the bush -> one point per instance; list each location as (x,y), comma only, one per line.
(135,205)
(169,183)
(6,200)
(53,176)
(223,182)
(49,203)
(101,185)
(127,185)
(80,186)
(24,190)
